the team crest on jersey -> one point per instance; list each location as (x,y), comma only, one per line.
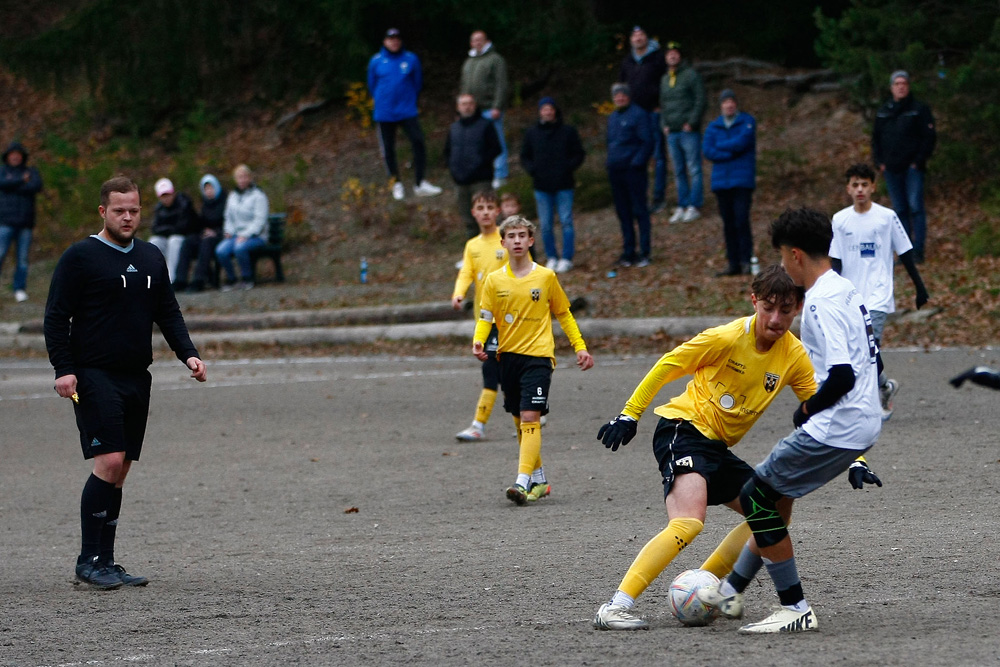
(770,381)
(536,294)
(404,66)
(500,253)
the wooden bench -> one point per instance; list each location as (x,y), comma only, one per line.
(272,249)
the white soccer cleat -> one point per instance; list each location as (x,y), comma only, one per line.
(730,607)
(885,395)
(398,191)
(783,620)
(426,189)
(677,214)
(471,434)
(616,617)
(563,265)
(20,296)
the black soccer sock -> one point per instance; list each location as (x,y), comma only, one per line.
(111,526)
(94,504)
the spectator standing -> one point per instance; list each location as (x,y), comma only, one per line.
(484,76)
(731,145)
(201,246)
(19,185)
(395,79)
(642,69)
(173,219)
(902,142)
(682,104)
(469,151)
(244,228)
(630,143)
(107,291)
(551,153)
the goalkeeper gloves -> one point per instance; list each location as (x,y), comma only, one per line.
(618,432)
(860,474)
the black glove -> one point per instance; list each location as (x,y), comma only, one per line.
(860,474)
(618,432)
(800,417)
(981,375)
(922,297)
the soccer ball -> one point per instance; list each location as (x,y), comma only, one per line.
(684,602)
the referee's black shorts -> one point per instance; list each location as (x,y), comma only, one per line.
(525,382)
(112,411)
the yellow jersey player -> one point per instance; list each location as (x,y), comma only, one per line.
(520,299)
(736,372)
(483,255)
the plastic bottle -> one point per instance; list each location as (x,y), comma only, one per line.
(754,265)
(364,270)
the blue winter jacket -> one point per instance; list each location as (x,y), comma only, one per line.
(394,81)
(732,151)
(630,138)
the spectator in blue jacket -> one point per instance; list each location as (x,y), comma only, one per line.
(630,144)
(19,185)
(394,81)
(731,145)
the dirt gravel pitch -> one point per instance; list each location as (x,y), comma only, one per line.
(241,512)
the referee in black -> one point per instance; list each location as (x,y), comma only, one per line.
(106,293)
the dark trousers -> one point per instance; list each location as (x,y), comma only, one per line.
(734,207)
(387,142)
(200,250)
(628,188)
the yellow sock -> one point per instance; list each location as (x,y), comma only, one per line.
(485,406)
(722,560)
(658,553)
(531,447)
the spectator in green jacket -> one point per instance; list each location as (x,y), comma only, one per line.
(484,76)
(682,104)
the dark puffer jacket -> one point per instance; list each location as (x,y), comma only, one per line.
(18,187)
(904,134)
(551,153)
(470,149)
(178,218)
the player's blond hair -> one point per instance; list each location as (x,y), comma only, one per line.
(515,221)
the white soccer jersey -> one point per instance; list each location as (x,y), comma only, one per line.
(864,243)
(836,329)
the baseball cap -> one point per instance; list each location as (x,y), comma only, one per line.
(392,32)
(163,186)
(673,46)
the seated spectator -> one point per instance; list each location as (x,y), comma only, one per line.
(244,228)
(200,246)
(173,219)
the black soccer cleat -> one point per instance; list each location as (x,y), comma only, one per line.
(97,574)
(126,578)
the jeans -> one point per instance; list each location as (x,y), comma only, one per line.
(547,204)
(387,143)
(22,237)
(906,189)
(229,247)
(685,156)
(171,247)
(628,188)
(201,250)
(659,161)
(734,208)
(500,163)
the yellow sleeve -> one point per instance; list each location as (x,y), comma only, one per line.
(482,331)
(484,318)
(466,275)
(678,362)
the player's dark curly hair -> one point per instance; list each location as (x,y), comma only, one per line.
(860,170)
(775,285)
(804,228)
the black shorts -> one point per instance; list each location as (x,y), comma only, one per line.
(491,369)
(680,448)
(525,382)
(112,411)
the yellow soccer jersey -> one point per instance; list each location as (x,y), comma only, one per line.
(482,256)
(732,383)
(522,309)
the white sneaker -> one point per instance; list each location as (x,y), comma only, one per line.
(471,434)
(677,215)
(616,617)
(564,265)
(425,189)
(498,183)
(783,620)
(552,263)
(543,421)
(398,191)
(730,607)
(885,395)
(20,296)
(691,214)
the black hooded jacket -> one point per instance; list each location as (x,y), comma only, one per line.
(904,134)
(551,153)
(18,187)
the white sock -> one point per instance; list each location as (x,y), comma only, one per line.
(478,424)
(799,606)
(621,599)
(523,480)
(538,476)
(726,589)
